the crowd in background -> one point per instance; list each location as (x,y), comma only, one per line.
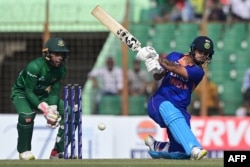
(108,81)
(196,10)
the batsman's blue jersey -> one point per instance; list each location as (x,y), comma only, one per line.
(175,88)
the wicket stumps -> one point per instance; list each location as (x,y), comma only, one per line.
(72,106)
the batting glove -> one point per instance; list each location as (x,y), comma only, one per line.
(153,65)
(146,53)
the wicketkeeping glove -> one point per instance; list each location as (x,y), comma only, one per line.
(54,124)
(146,53)
(153,65)
(50,112)
(53,109)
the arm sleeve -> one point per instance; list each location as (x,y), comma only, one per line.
(95,73)
(53,98)
(195,74)
(54,94)
(32,73)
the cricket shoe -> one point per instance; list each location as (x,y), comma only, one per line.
(27,155)
(56,155)
(197,153)
(156,145)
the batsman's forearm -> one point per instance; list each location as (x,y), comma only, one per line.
(158,77)
(173,67)
(168,65)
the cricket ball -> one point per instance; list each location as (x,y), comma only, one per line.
(101,126)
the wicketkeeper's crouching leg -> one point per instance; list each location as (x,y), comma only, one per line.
(25,130)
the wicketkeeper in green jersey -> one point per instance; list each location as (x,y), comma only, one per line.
(37,89)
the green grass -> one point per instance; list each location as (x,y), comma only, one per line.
(113,163)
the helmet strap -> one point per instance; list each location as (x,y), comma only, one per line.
(192,54)
(46,55)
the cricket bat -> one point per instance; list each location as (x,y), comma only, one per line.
(116,28)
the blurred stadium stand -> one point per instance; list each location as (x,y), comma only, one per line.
(21,31)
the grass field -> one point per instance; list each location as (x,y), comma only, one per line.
(113,163)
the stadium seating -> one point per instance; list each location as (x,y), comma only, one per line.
(233,35)
(147,15)
(231,96)
(140,31)
(110,105)
(162,36)
(64,16)
(137,105)
(215,31)
(184,35)
(241,63)
(219,67)
(136,7)
(246,39)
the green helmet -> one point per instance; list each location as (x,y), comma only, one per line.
(55,45)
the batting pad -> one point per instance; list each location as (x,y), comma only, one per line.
(180,130)
(167,155)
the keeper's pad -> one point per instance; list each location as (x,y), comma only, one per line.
(178,126)
(25,131)
(167,155)
(25,118)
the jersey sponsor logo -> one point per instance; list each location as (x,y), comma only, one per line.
(178,76)
(31,75)
(42,78)
(179,84)
(178,81)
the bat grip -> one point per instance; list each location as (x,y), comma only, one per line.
(137,49)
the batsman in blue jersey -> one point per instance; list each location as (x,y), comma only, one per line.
(180,74)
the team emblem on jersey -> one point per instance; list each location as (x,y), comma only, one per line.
(60,43)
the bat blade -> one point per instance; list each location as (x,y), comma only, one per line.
(116,28)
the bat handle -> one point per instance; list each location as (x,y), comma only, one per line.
(137,49)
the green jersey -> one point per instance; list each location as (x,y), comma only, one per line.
(39,80)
